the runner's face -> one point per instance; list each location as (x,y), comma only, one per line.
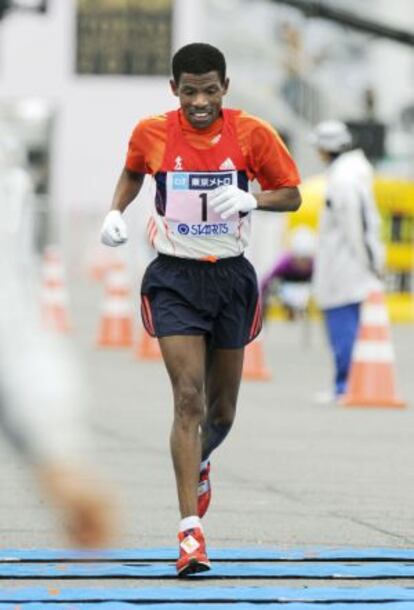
(201,97)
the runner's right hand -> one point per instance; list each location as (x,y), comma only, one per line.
(114,229)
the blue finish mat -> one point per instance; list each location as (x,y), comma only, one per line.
(236,564)
(228,554)
(213,594)
(235,570)
(235,606)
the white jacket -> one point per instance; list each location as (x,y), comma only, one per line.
(349,252)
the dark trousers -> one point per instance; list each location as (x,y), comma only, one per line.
(342,328)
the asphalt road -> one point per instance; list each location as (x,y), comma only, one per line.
(292,474)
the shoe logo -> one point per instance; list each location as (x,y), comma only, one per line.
(227,164)
(178,163)
(203,487)
(189,544)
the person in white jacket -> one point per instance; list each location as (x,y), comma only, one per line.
(349,257)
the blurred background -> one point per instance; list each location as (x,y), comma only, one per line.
(75,78)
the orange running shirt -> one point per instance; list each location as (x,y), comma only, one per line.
(189,163)
(267,158)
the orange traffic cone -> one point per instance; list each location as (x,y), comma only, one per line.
(99,262)
(147,347)
(254,362)
(53,298)
(371,381)
(116,325)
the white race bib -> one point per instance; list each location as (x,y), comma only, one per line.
(187,211)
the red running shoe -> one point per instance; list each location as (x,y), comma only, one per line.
(193,557)
(204,491)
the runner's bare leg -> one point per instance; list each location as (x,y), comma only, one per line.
(223,376)
(185,360)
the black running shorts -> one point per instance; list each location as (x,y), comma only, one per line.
(189,297)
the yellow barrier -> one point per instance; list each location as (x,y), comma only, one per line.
(400,308)
(395,199)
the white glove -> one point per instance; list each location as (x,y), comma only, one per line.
(114,229)
(228,200)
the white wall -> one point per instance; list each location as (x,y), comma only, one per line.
(392,64)
(95,115)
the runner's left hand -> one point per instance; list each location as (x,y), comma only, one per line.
(228,200)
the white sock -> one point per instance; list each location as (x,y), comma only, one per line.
(189,523)
(203,465)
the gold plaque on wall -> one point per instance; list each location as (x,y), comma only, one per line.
(131,37)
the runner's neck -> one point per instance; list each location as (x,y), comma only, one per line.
(206,135)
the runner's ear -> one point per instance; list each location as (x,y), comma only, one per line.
(174,87)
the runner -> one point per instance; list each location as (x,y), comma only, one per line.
(200,295)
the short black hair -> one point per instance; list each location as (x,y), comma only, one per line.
(198,58)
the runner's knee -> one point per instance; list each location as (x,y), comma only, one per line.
(188,399)
(222,413)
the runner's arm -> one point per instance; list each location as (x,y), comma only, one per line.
(228,200)
(128,186)
(274,168)
(285,199)
(114,229)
